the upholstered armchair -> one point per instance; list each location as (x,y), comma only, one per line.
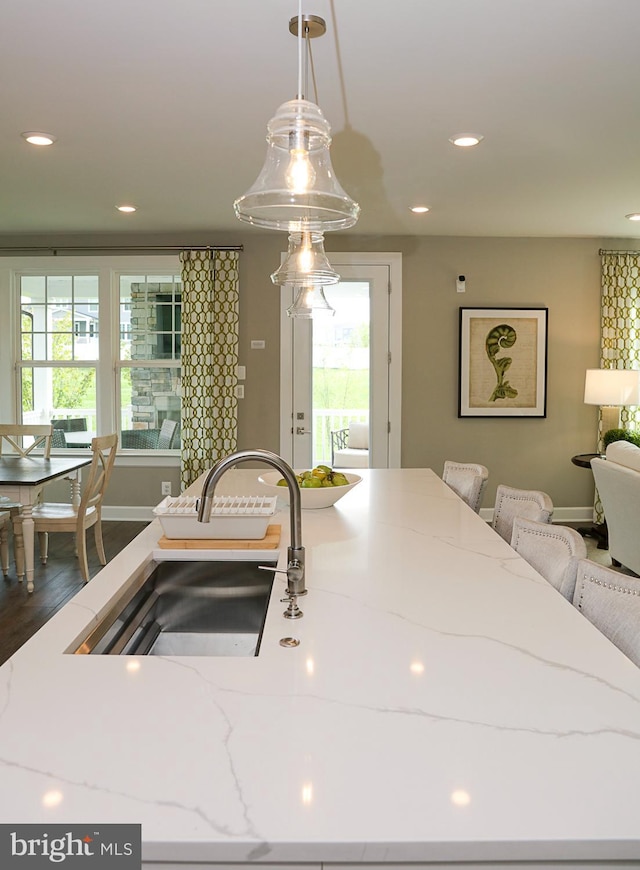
(618,483)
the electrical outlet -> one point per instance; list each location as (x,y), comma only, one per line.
(166,487)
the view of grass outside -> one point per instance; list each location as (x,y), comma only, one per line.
(341,388)
(335,389)
(340,365)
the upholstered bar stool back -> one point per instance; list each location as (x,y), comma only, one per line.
(466,479)
(611,601)
(554,551)
(512,503)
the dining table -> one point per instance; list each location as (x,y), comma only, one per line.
(22,479)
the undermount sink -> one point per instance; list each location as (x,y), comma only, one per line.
(187,608)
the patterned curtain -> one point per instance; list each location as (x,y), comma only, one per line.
(621,319)
(620,328)
(209,358)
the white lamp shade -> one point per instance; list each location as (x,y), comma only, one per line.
(612,387)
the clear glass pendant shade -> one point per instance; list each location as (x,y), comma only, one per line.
(297,189)
(310,302)
(306,262)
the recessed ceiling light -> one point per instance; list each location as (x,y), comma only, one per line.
(127,209)
(35,138)
(466,140)
(633,217)
(419,209)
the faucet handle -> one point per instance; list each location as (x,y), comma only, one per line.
(292,611)
(275,570)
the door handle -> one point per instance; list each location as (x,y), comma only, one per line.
(300,430)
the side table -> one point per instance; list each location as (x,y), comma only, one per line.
(598,531)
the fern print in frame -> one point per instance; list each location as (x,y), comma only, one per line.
(502,362)
(500,337)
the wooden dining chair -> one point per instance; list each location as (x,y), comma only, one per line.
(54,517)
(5,523)
(14,435)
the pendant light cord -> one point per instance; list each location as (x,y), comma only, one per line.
(300,93)
(304,47)
(313,71)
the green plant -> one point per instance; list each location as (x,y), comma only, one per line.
(620,435)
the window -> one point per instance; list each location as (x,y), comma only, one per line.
(98,348)
(57,365)
(149,356)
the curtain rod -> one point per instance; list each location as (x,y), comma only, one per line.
(602,251)
(123,249)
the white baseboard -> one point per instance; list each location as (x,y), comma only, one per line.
(560,514)
(134,513)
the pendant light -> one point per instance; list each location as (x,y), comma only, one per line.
(310,302)
(297,190)
(305,263)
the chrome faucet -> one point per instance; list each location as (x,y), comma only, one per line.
(295,552)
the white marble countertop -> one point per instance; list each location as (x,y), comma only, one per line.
(444,704)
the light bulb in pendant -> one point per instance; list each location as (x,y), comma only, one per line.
(300,174)
(306,262)
(305,255)
(297,189)
(310,302)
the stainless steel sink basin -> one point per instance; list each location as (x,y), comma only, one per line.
(189,608)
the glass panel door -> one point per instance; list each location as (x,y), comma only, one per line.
(336,370)
(340,366)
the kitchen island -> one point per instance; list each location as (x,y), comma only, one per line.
(445,707)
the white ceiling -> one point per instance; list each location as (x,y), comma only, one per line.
(164,103)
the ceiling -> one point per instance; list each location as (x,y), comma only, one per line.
(164,104)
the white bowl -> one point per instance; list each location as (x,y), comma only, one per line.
(311,498)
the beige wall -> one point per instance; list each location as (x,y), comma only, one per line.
(560,274)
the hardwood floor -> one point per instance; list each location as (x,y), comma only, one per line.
(21,614)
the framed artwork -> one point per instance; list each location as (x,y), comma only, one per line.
(503,362)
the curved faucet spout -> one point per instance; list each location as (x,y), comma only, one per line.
(295,553)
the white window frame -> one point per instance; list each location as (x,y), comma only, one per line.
(108,269)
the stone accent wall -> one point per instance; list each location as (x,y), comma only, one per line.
(151,388)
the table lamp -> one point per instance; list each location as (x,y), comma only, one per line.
(611,388)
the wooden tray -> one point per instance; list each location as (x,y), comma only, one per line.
(269,542)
